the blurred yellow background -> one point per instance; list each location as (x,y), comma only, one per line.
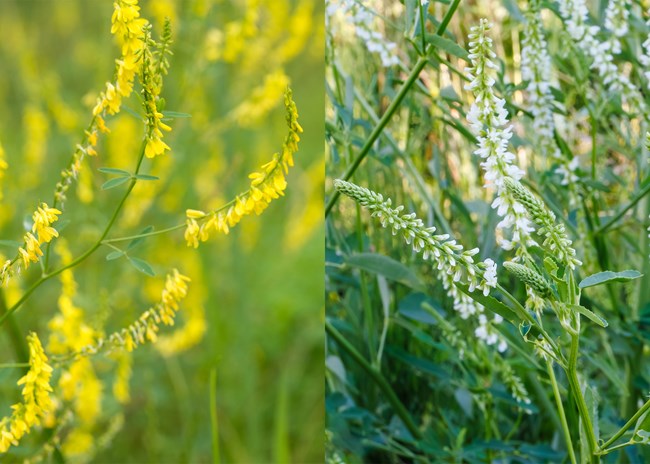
(255,307)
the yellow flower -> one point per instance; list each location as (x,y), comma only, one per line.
(266,185)
(127,25)
(155,146)
(43,217)
(36,397)
(146,327)
(32,251)
(192,233)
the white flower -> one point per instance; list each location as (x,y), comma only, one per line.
(575,13)
(490,275)
(536,69)
(488,119)
(361,18)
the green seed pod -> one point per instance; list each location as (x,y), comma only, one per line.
(531,278)
(535,207)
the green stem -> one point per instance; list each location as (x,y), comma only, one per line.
(15,334)
(627,425)
(45,277)
(379,379)
(525,315)
(148,234)
(574,383)
(594,132)
(13,365)
(392,108)
(376,132)
(638,197)
(560,410)
(617,447)
(216,459)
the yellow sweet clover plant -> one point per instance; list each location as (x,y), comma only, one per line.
(88,358)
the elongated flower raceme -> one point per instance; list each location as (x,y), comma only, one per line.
(576,15)
(154,66)
(453,263)
(361,18)
(531,278)
(41,232)
(146,327)
(127,27)
(536,69)
(556,239)
(449,256)
(266,185)
(36,397)
(489,121)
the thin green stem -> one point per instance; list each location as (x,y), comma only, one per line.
(638,197)
(216,458)
(617,447)
(628,424)
(525,315)
(44,278)
(376,132)
(442,27)
(423,18)
(13,365)
(560,410)
(594,132)
(392,108)
(148,234)
(379,379)
(574,383)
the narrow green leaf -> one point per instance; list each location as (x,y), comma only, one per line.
(175,115)
(136,241)
(114,255)
(142,266)
(388,267)
(145,177)
(590,315)
(109,184)
(492,304)
(641,428)
(121,172)
(449,46)
(609,276)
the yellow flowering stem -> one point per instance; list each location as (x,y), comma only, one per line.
(36,397)
(63,184)
(45,277)
(264,187)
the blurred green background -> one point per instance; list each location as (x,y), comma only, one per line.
(255,309)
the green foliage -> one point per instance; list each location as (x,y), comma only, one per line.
(414,374)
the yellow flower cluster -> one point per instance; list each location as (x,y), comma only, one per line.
(127,27)
(151,78)
(155,145)
(43,218)
(36,397)
(146,326)
(266,185)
